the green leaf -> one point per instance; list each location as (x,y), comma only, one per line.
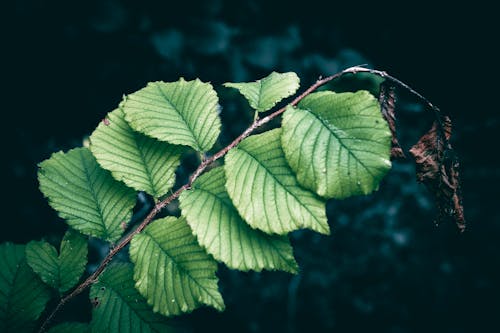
(86,195)
(267,92)
(23,295)
(62,271)
(182,112)
(118,307)
(43,259)
(219,228)
(265,191)
(72,327)
(337,144)
(171,269)
(141,162)
(72,258)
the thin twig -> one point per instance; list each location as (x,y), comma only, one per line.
(202,167)
(383,74)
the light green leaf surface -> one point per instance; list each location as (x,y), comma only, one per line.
(172,271)
(265,191)
(60,271)
(182,112)
(118,306)
(141,162)
(23,295)
(220,229)
(86,195)
(267,92)
(71,327)
(337,144)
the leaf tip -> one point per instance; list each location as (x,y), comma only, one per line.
(293,267)
(325,230)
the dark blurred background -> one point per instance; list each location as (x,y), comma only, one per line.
(386,267)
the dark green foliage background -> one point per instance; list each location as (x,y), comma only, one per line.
(386,267)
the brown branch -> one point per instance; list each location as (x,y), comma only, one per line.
(202,167)
(437,112)
(383,74)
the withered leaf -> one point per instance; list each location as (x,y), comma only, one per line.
(437,168)
(387,99)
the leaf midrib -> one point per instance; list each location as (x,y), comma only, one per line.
(146,166)
(279,182)
(58,266)
(136,312)
(94,194)
(329,126)
(180,267)
(259,96)
(177,110)
(266,238)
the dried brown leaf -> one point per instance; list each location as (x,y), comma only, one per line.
(437,168)
(387,99)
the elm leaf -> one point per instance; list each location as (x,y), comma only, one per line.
(265,191)
(267,92)
(86,195)
(118,306)
(220,229)
(182,113)
(141,162)
(23,295)
(338,145)
(60,271)
(172,271)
